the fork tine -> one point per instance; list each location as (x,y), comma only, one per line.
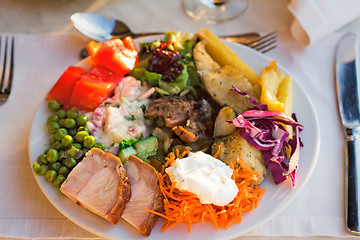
(6,63)
(11,66)
(265,45)
(268,49)
(261,40)
(2,62)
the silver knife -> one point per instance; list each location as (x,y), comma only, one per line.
(347,85)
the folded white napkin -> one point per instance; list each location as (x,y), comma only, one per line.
(314,19)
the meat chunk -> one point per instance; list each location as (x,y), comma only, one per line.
(172,110)
(145,194)
(236,147)
(100,184)
(195,117)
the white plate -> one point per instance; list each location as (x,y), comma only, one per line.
(276,198)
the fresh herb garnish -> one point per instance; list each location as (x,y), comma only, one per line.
(130,118)
(143,108)
(127,143)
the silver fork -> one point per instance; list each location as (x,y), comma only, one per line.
(262,44)
(6,66)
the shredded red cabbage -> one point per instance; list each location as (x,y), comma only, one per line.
(265,130)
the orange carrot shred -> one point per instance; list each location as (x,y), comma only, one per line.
(219,150)
(185,207)
(181,128)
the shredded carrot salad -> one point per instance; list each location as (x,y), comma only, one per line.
(185,207)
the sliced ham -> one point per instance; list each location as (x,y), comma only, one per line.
(145,193)
(100,184)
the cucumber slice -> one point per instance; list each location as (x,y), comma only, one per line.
(146,144)
(125,153)
(145,154)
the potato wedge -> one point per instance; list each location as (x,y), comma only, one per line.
(236,147)
(223,55)
(276,89)
(284,95)
(222,127)
(218,81)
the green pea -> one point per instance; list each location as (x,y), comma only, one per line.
(73,151)
(42,159)
(52,138)
(57,145)
(63,170)
(59,180)
(100,145)
(36,168)
(60,133)
(53,126)
(81,120)
(70,162)
(89,141)
(61,113)
(72,132)
(81,135)
(62,122)
(53,105)
(55,166)
(61,154)
(72,114)
(77,145)
(43,169)
(52,155)
(52,118)
(70,123)
(50,175)
(67,141)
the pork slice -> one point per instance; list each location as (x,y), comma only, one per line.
(145,194)
(100,184)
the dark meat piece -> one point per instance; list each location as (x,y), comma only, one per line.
(174,111)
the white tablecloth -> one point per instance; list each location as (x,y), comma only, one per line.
(40,59)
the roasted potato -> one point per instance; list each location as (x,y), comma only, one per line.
(276,90)
(236,147)
(223,55)
(218,81)
(222,127)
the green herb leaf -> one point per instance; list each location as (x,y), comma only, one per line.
(130,118)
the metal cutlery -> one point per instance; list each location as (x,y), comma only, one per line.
(102,28)
(6,66)
(347,86)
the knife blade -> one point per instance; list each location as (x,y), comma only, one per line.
(347,86)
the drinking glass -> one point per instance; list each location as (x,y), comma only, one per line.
(214,11)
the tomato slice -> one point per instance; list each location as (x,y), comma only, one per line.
(93,88)
(119,56)
(92,48)
(63,88)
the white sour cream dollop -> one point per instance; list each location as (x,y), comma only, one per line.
(205,176)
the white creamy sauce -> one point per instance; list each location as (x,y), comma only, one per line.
(121,117)
(205,176)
